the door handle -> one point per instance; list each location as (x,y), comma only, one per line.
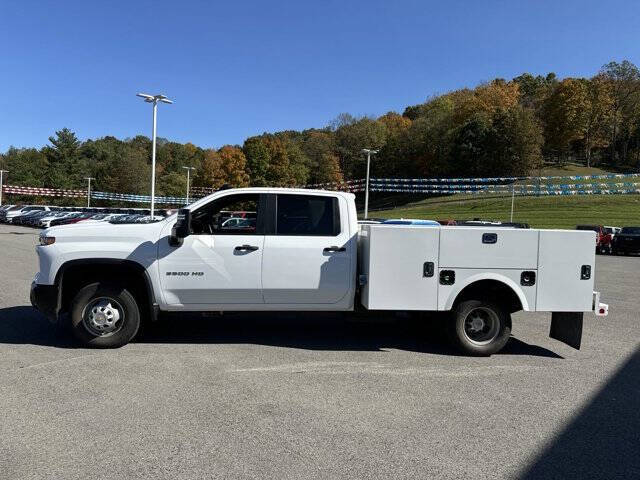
(246,248)
(334,249)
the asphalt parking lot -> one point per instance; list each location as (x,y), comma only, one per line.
(306,396)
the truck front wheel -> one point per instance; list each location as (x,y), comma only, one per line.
(479,328)
(104,316)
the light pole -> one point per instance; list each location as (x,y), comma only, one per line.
(188,169)
(368,151)
(513,197)
(2,172)
(153,99)
(89,190)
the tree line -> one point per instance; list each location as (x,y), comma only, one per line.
(499,128)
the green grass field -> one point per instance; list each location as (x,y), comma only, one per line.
(543,212)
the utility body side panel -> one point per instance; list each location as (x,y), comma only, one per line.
(464,277)
(561,288)
(394,260)
(474,247)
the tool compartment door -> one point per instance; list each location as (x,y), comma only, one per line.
(398,277)
(561,288)
(486,247)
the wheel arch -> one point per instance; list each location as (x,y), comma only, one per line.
(74,274)
(490,286)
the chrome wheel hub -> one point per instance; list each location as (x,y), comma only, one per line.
(103,316)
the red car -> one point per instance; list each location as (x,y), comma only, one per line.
(603,239)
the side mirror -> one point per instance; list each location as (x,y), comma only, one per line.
(182,228)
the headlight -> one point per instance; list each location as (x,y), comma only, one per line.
(44,240)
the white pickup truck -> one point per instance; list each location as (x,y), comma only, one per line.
(269,249)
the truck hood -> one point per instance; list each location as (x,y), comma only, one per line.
(136,242)
(100,232)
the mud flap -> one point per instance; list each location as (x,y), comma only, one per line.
(567,328)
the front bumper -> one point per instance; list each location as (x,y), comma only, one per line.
(44,298)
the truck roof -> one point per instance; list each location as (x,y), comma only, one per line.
(300,191)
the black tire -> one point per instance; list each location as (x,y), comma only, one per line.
(492,335)
(104,300)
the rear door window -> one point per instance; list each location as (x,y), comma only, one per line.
(307,215)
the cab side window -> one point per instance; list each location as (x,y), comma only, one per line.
(310,215)
(229,215)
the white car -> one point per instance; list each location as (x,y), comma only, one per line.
(612,230)
(308,253)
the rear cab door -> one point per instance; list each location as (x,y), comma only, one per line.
(309,253)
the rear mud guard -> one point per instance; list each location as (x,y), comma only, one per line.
(567,328)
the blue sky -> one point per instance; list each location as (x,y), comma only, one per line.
(240,68)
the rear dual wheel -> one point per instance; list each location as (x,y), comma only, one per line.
(479,328)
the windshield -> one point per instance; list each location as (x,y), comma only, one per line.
(631,230)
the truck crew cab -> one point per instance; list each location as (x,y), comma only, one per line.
(303,250)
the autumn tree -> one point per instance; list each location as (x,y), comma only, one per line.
(624,83)
(319,147)
(394,123)
(172,184)
(257,155)
(352,138)
(225,166)
(598,114)
(565,113)
(534,90)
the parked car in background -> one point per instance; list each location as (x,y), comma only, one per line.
(98,217)
(63,220)
(76,218)
(410,221)
(626,241)
(33,218)
(603,239)
(45,221)
(612,231)
(23,218)
(17,210)
(155,218)
(125,219)
(6,207)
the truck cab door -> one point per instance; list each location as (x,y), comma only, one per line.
(309,257)
(219,265)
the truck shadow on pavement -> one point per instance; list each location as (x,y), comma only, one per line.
(601,442)
(311,331)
